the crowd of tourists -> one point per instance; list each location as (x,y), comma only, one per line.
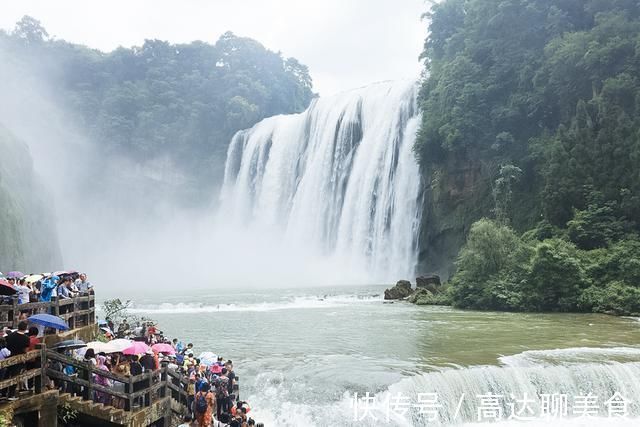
(45,286)
(32,288)
(212,388)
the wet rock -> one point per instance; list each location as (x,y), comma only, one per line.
(401,290)
(430,282)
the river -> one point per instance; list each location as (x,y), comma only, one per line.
(302,353)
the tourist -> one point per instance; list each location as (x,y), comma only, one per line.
(204,406)
(123,329)
(188,349)
(222,392)
(17,344)
(186,421)
(33,338)
(83,285)
(4,353)
(90,357)
(63,289)
(147,361)
(101,397)
(177,345)
(191,393)
(23,291)
(172,362)
(231,375)
(222,421)
(48,288)
(122,367)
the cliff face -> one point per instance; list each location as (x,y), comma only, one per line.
(457,192)
(28,237)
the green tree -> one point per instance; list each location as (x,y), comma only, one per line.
(491,251)
(556,277)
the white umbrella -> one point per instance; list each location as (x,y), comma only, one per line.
(208,358)
(105,347)
(120,344)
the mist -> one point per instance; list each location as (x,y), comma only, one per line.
(124,223)
(146,224)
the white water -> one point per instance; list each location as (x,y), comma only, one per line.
(337,183)
(464,385)
(286,303)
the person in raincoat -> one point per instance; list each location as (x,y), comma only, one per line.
(103,381)
(48,286)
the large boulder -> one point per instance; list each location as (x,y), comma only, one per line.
(430,282)
(401,290)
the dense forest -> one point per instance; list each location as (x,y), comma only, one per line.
(531,127)
(160,100)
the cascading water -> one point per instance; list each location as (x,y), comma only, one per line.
(338,181)
(458,391)
(558,377)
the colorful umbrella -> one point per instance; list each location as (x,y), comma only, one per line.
(49,320)
(6,288)
(163,348)
(15,274)
(137,347)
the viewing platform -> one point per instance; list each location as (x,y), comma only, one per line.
(150,399)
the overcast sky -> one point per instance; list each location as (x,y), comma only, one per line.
(345,43)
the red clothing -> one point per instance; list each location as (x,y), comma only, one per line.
(33,341)
(204,419)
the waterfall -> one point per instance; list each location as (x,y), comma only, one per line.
(338,182)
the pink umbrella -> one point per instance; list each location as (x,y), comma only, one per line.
(137,347)
(163,348)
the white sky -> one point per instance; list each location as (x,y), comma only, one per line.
(345,43)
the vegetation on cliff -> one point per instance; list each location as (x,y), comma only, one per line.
(27,224)
(181,102)
(531,116)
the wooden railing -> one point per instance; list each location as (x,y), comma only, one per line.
(130,393)
(78,311)
(28,367)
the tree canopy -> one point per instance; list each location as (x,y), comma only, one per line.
(541,101)
(182,101)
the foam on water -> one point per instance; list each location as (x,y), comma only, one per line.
(300,302)
(575,355)
(278,403)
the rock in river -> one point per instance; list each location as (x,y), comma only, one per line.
(401,290)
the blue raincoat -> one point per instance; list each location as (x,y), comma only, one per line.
(48,285)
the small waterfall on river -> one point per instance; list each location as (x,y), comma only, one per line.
(338,181)
(531,374)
